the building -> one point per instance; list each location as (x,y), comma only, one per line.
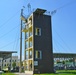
(38,42)
(7,62)
(64,60)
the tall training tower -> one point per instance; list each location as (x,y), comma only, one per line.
(38,42)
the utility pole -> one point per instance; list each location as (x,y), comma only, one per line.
(21,43)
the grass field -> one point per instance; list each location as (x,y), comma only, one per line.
(59,72)
(62,72)
(8,74)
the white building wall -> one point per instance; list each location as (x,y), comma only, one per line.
(7,62)
(0,63)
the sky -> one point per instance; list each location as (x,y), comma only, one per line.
(63,23)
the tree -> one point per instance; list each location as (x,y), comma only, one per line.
(63,62)
(70,60)
(21,63)
(13,64)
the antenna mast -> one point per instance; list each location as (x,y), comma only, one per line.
(29,7)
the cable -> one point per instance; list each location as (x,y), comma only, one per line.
(56,44)
(7,44)
(15,41)
(60,45)
(65,5)
(9,19)
(62,40)
(15,44)
(9,31)
(54,11)
(53,45)
(55,50)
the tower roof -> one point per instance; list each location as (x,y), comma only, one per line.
(39,11)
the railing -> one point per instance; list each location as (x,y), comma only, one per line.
(27,25)
(30,24)
(31,44)
(30,34)
(30,56)
(26,47)
(26,68)
(26,57)
(26,37)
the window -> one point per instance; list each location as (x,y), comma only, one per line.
(30,54)
(38,31)
(26,35)
(30,33)
(26,45)
(5,64)
(10,60)
(26,54)
(5,60)
(30,44)
(38,54)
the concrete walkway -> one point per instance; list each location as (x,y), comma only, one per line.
(22,74)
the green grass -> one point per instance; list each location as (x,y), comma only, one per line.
(8,74)
(61,72)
